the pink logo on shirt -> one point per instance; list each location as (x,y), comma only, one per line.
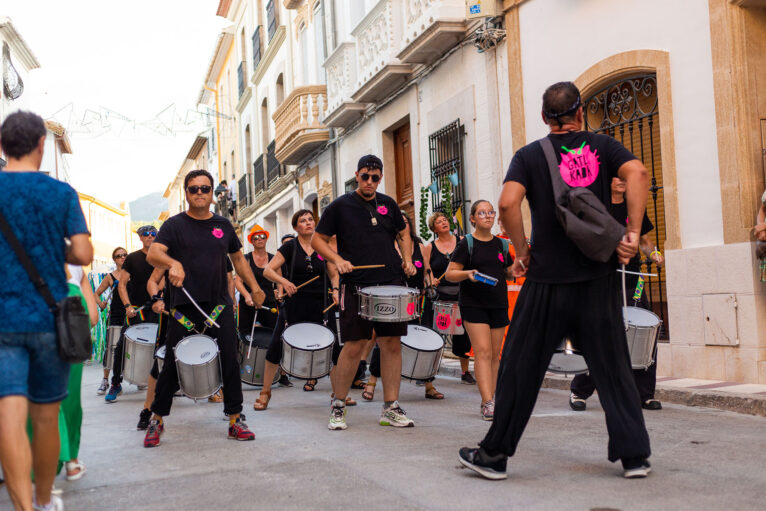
(500,256)
(418,264)
(382,210)
(218,233)
(320,257)
(579,167)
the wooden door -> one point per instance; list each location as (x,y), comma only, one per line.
(403,163)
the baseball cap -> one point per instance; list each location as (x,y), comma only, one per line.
(370,162)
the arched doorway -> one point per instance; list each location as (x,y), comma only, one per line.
(627,109)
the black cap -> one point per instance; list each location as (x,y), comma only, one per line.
(369,162)
(145,229)
(287,236)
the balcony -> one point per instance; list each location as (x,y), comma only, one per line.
(340,68)
(269,179)
(298,121)
(245,191)
(259,175)
(378,38)
(431,29)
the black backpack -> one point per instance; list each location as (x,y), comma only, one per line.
(582,215)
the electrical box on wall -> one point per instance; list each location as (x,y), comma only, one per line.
(482,9)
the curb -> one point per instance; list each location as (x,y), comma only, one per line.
(738,403)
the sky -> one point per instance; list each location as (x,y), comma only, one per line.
(135,59)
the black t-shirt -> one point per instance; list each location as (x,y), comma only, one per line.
(140,271)
(488,258)
(361,242)
(265,284)
(585,159)
(202,247)
(303,268)
(620,213)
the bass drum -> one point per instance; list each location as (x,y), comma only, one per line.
(251,368)
(421,353)
(307,350)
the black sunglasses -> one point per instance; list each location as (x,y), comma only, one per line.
(120,256)
(194,189)
(375,177)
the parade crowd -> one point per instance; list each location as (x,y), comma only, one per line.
(353,292)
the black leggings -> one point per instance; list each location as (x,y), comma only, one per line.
(590,314)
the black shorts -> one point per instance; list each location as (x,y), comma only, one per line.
(355,328)
(495,318)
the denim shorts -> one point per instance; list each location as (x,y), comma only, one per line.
(30,366)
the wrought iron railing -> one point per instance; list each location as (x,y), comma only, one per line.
(273,167)
(259,174)
(446,154)
(245,195)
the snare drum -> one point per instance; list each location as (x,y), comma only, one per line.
(199,366)
(567,360)
(160,356)
(307,350)
(447,320)
(421,353)
(642,328)
(112,336)
(139,352)
(388,304)
(251,368)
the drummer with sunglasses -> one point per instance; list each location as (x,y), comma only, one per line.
(194,247)
(366,224)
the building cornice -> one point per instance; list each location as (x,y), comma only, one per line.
(217,61)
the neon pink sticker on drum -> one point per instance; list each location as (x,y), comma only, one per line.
(443,321)
(579,167)
(410,309)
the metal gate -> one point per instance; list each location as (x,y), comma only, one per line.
(446,153)
(628,111)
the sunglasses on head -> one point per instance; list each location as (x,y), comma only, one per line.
(194,189)
(375,177)
(259,236)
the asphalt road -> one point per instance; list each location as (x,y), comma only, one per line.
(704,459)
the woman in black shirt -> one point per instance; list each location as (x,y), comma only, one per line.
(116,314)
(302,306)
(417,281)
(483,307)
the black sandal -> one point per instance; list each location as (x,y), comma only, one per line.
(309,385)
(358,384)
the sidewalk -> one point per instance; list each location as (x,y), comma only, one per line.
(735,397)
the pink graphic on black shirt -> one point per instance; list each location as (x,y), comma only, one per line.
(579,167)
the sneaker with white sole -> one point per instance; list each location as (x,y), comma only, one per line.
(395,416)
(635,468)
(103,387)
(577,403)
(337,415)
(56,504)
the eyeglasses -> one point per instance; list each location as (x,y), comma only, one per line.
(309,268)
(120,256)
(194,189)
(487,214)
(375,177)
(259,236)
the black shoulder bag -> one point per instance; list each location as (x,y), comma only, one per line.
(72,323)
(582,215)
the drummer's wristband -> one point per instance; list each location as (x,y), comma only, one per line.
(157,298)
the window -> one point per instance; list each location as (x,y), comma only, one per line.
(272,18)
(319,43)
(256,46)
(280,89)
(304,45)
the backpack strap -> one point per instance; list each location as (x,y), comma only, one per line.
(506,249)
(559,186)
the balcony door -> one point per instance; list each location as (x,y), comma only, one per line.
(403,163)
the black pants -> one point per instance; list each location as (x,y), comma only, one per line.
(162,332)
(149,317)
(590,314)
(646,379)
(226,337)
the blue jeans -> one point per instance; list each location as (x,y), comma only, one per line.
(30,366)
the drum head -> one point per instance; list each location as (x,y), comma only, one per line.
(196,349)
(160,353)
(387,290)
(308,336)
(261,337)
(567,364)
(143,333)
(422,338)
(637,316)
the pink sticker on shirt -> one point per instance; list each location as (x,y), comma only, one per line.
(579,167)
(500,257)
(418,264)
(218,233)
(320,257)
(382,210)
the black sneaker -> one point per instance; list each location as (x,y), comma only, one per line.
(651,404)
(491,467)
(143,419)
(467,378)
(636,467)
(576,403)
(285,381)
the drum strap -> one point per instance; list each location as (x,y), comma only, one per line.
(214,315)
(189,324)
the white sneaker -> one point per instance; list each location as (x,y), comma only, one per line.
(56,504)
(103,387)
(395,416)
(337,415)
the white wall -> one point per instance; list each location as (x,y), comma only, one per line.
(560,39)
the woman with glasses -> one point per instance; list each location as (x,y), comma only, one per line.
(417,281)
(303,305)
(483,306)
(438,254)
(116,314)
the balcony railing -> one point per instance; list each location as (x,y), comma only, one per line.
(273,168)
(431,29)
(245,195)
(299,127)
(241,78)
(259,174)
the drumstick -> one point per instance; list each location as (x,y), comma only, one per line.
(368,266)
(333,304)
(298,287)
(624,298)
(270,309)
(198,307)
(252,332)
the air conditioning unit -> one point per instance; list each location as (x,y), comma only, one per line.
(482,9)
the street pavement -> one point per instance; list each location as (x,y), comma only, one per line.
(704,459)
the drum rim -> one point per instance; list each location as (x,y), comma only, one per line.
(332,335)
(632,307)
(408,290)
(415,329)
(175,348)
